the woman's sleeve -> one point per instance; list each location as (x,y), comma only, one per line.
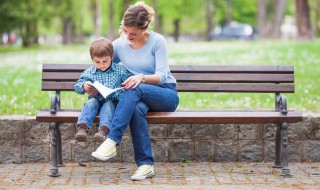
(161,58)
(116,51)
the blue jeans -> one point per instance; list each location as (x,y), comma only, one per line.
(132,109)
(91,108)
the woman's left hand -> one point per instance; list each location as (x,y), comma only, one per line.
(132,82)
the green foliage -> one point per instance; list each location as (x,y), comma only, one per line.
(245,11)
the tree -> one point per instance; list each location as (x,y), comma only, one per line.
(95,6)
(71,14)
(111,20)
(316,10)
(176,10)
(157,19)
(209,17)
(262,14)
(23,16)
(270,17)
(278,18)
(303,20)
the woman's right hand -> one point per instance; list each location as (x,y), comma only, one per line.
(91,91)
(132,82)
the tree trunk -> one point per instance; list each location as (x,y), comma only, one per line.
(25,32)
(66,31)
(278,18)
(157,20)
(209,15)
(35,33)
(262,15)
(303,20)
(126,4)
(176,30)
(229,12)
(317,18)
(96,16)
(111,20)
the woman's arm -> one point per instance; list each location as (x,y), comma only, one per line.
(134,81)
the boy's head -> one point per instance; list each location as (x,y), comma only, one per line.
(101,52)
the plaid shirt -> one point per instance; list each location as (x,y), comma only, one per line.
(112,78)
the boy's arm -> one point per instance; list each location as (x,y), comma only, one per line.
(78,86)
(83,85)
(125,74)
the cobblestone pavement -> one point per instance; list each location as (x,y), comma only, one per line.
(202,175)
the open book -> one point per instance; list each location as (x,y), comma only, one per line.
(104,91)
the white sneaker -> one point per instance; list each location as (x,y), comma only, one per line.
(105,151)
(143,172)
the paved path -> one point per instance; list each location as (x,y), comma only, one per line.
(203,175)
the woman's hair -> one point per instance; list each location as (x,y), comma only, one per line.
(101,47)
(138,15)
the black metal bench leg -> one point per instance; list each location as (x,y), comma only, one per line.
(277,163)
(59,148)
(285,166)
(54,171)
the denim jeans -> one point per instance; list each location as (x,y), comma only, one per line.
(91,108)
(132,109)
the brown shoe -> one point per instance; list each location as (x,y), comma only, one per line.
(82,132)
(101,135)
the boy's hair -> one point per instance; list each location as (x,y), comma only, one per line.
(101,47)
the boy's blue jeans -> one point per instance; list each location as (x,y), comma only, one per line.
(91,108)
(132,110)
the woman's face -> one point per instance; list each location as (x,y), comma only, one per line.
(133,34)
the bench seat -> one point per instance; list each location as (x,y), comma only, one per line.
(187,116)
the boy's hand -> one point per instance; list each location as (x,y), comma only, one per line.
(90,90)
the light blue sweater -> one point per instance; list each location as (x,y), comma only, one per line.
(152,58)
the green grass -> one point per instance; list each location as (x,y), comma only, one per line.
(21,74)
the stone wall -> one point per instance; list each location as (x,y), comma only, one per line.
(22,139)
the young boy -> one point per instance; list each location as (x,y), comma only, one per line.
(107,73)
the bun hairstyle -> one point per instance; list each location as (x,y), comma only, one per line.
(138,15)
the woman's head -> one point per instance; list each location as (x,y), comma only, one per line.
(138,15)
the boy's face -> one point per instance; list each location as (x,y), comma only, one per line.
(102,63)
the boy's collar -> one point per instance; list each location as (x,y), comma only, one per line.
(110,67)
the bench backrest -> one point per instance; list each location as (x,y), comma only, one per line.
(196,78)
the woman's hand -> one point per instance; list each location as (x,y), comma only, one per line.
(90,90)
(132,82)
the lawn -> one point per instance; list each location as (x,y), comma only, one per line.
(21,74)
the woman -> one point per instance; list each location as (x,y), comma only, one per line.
(152,88)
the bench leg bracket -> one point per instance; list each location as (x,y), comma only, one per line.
(278,145)
(54,171)
(285,166)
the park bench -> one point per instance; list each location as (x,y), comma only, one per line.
(190,78)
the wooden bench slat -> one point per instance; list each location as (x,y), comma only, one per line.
(231,69)
(186,68)
(259,88)
(65,67)
(195,87)
(188,117)
(192,77)
(61,76)
(234,78)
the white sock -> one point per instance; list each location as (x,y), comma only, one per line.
(110,141)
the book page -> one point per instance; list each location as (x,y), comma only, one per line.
(104,91)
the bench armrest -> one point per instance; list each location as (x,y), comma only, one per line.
(55,104)
(281,104)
